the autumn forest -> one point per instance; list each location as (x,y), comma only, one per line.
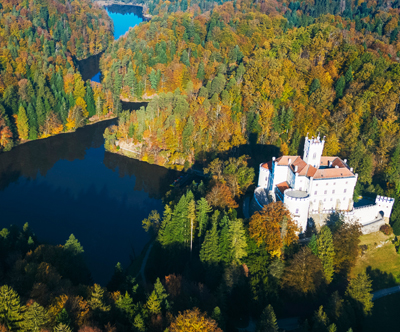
(218,78)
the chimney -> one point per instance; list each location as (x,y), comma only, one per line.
(345,161)
(351,169)
(273,158)
(330,163)
(296,168)
(289,161)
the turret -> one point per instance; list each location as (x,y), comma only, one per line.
(313,148)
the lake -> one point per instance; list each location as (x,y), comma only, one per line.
(123,17)
(69,184)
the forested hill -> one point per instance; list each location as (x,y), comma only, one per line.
(39,84)
(215,79)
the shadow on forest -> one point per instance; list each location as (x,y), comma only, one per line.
(380,279)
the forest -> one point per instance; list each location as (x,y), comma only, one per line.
(209,270)
(41,91)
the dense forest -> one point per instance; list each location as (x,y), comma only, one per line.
(41,91)
(216,80)
(209,270)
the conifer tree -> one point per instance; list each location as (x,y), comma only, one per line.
(63,318)
(349,75)
(89,99)
(34,318)
(320,320)
(238,243)
(96,301)
(73,245)
(210,252)
(10,308)
(22,124)
(125,304)
(359,290)
(313,245)
(340,85)
(268,322)
(153,304)
(326,252)
(203,209)
(161,293)
(139,324)
(33,126)
(315,84)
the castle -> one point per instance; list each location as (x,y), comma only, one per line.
(315,186)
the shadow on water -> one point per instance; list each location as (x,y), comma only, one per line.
(68,184)
(125,9)
(90,66)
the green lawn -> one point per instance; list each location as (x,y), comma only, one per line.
(385,315)
(380,260)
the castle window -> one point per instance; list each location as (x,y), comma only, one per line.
(315,200)
(300,188)
(327,183)
(345,191)
(314,155)
(334,183)
(333,191)
(324,199)
(325,192)
(297,211)
(347,182)
(331,199)
(315,193)
(316,185)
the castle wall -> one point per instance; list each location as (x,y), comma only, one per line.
(263,177)
(281,173)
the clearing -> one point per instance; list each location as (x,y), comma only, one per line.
(380,259)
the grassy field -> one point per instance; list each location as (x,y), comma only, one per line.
(385,315)
(380,260)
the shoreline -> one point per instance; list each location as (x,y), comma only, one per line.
(105,3)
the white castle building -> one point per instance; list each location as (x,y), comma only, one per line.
(314,186)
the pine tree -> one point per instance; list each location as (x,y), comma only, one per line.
(340,85)
(210,252)
(268,322)
(326,252)
(238,243)
(203,209)
(320,321)
(63,318)
(201,72)
(349,75)
(73,245)
(96,301)
(161,293)
(89,99)
(313,245)
(40,112)
(139,324)
(185,58)
(10,308)
(153,304)
(359,290)
(22,124)
(125,304)
(153,79)
(33,126)
(315,84)
(34,317)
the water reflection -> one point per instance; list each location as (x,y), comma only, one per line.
(69,184)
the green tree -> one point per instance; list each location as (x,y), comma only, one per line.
(320,321)
(313,245)
(203,209)
(359,291)
(10,308)
(315,85)
(326,252)
(73,245)
(62,328)
(349,75)
(340,85)
(153,304)
(210,252)
(34,318)
(267,322)
(185,58)
(125,304)
(96,301)
(63,318)
(238,244)
(22,124)
(162,295)
(153,79)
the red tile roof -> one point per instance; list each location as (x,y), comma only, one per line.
(267,165)
(283,186)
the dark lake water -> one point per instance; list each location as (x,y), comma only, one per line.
(68,184)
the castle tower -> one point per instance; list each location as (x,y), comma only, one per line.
(313,148)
